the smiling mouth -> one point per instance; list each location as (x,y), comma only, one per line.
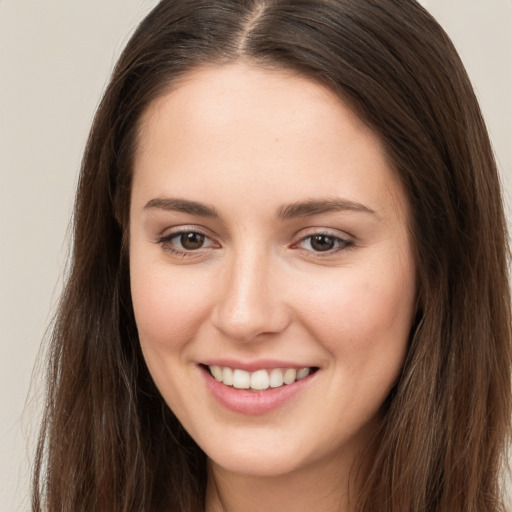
(259,380)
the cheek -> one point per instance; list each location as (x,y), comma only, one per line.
(169,308)
(364,316)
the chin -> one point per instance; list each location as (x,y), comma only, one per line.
(282,456)
(256,464)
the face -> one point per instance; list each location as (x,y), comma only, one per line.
(271,267)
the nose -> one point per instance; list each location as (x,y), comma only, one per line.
(250,301)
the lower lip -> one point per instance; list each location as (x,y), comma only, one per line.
(254,403)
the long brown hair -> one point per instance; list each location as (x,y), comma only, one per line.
(109,443)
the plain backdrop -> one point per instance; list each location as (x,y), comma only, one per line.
(55,59)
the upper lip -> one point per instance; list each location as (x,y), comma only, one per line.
(252,366)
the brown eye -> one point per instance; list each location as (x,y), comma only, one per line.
(192,241)
(322,243)
(186,243)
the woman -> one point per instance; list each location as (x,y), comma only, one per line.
(288,288)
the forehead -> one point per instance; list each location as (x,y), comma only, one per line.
(240,93)
(239,126)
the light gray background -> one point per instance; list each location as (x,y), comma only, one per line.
(55,58)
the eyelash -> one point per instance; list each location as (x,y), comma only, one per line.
(166,243)
(341,244)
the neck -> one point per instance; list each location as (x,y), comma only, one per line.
(325,488)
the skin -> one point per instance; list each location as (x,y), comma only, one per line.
(248,142)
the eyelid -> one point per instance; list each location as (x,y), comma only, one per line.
(180,229)
(343,240)
(321,230)
(166,239)
(347,241)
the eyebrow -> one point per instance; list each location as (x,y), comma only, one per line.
(182,205)
(299,209)
(316,207)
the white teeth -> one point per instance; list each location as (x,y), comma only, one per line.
(276,378)
(302,373)
(216,372)
(241,379)
(227,376)
(289,376)
(258,380)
